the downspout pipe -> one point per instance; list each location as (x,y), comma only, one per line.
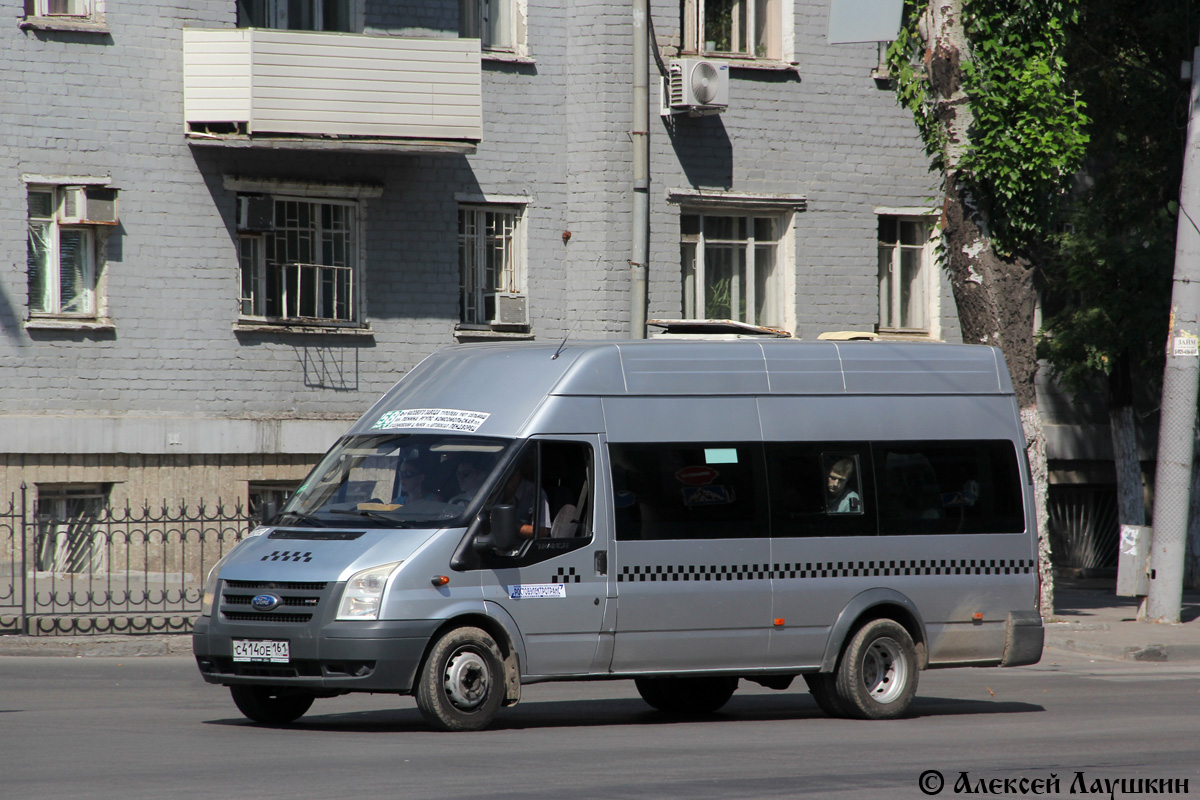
(640,247)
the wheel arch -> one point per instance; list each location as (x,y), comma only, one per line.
(878,603)
(493,621)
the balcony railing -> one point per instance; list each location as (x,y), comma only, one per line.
(262,83)
(303,293)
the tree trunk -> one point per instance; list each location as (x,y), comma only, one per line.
(995,296)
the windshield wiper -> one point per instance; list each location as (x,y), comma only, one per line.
(301,517)
(362,512)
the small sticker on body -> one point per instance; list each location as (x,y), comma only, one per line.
(537,591)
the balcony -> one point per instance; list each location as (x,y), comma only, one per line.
(303,89)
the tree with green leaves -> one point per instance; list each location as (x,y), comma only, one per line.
(1109,281)
(984,80)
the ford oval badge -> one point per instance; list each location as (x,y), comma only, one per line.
(265,602)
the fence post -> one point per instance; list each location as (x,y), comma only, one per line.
(24,565)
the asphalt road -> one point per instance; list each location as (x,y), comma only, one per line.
(150,728)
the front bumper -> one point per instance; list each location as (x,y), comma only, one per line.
(338,657)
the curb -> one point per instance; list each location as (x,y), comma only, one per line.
(97,646)
(1100,639)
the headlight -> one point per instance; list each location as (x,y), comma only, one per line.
(208,599)
(363,594)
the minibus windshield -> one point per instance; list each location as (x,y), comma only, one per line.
(395,480)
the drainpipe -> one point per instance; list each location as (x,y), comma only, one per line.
(640,255)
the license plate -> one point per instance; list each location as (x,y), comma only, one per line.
(268,650)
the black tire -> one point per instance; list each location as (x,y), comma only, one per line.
(272,705)
(877,673)
(690,696)
(823,687)
(461,685)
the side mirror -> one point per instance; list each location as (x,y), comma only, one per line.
(503,522)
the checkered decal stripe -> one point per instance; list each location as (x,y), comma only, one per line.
(566,575)
(827,569)
(288,555)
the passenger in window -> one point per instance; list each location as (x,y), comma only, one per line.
(519,491)
(841,488)
(471,470)
(412,481)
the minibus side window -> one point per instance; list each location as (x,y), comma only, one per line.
(688,490)
(949,487)
(820,489)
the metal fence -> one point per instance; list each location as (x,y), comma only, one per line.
(110,571)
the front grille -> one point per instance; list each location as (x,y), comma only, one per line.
(266,616)
(245,599)
(280,585)
(299,602)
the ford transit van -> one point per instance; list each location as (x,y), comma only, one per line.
(687,515)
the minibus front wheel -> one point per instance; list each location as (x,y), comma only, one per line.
(877,674)
(461,685)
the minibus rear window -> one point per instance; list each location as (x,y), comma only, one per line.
(948,487)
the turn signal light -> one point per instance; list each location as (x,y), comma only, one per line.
(439,580)
(779,622)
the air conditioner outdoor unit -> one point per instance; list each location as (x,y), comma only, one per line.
(88,205)
(505,309)
(696,86)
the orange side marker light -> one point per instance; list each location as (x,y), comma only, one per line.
(439,580)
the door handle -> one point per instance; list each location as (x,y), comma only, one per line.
(601,562)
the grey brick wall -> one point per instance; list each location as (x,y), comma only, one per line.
(556,130)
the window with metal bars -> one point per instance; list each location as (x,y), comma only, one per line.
(302,263)
(490,267)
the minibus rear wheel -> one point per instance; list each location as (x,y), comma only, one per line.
(461,686)
(877,674)
(687,695)
(271,705)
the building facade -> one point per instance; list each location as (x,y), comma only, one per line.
(226,226)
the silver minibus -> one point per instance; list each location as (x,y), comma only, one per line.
(687,515)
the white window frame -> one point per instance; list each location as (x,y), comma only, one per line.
(694,275)
(499,25)
(776,43)
(89,303)
(295,277)
(276,16)
(472,257)
(65,14)
(889,261)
